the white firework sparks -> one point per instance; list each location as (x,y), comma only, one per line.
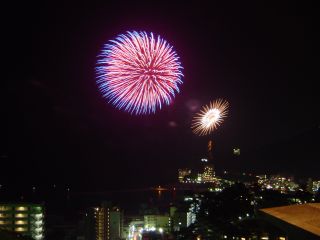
(210,117)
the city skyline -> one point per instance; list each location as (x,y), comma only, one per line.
(256,56)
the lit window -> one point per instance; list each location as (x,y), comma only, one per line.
(39,229)
(38,216)
(20,222)
(37,208)
(38,237)
(21,208)
(5,208)
(20,215)
(38,223)
(21,229)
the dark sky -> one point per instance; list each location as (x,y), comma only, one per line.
(259,56)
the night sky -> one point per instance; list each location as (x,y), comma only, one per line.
(260,57)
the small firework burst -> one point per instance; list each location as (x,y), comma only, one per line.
(210,117)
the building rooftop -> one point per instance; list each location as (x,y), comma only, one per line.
(305,216)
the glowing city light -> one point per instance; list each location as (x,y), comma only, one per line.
(210,117)
(138,72)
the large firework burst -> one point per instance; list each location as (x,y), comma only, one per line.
(138,72)
(210,117)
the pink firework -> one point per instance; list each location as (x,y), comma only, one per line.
(138,72)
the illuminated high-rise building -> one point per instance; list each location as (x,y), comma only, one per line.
(183,173)
(315,186)
(208,173)
(208,170)
(108,222)
(23,218)
(180,219)
(236,151)
(157,222)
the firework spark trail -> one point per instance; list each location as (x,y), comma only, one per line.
(210,117)
(138,73)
